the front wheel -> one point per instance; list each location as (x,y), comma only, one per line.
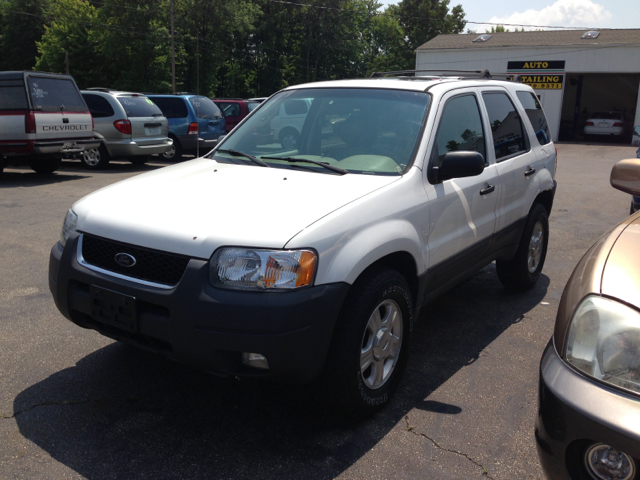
(369,350)
(523,270)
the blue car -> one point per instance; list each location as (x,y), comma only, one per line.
(195,123)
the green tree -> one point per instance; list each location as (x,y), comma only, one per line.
(22,24)
(423,20)
(69,34)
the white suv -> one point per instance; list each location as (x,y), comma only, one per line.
(311,263)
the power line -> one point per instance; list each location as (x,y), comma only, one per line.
(383,14)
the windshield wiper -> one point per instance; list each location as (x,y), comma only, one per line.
(328,166)
(236,153)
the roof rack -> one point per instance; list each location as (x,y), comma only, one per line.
(100,89)
(226,98)
(483,74)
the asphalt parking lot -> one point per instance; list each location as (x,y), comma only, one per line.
(74,404)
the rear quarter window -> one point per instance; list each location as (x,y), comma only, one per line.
(55,95)
(13,97)
(98,106)
(536,116)
(138,106)
(171,107)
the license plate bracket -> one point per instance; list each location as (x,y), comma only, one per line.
(113,308)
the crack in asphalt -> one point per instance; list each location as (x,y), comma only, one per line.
(410,428)
(65,402)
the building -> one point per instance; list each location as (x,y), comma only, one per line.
(574,72)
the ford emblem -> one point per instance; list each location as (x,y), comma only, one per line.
(125,260)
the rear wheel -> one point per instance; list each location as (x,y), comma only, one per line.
(368,353)
(95,158)
(289,138)
(523,270)
(174,154)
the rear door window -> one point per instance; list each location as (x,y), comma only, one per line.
(205,108)
(98,106)
(138,106)
(55,95)
(507,129)
(172,107)
(13,95)
(536,116)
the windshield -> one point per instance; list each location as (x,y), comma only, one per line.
(368,131)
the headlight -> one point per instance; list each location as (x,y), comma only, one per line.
(604,342)
(68,226)
(257,269)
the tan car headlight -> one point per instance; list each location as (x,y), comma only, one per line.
(261,269)
(604,342)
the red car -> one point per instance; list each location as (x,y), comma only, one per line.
(234,110)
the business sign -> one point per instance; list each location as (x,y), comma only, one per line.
(539,74)
(543,82)
(549,66)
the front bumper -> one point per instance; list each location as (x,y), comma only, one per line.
(574,412)
(131,148)
(208,327)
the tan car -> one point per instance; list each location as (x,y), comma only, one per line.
(588,423)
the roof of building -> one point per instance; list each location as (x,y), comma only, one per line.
(544,38)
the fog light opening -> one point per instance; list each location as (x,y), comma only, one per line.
(606,463)
(255,360)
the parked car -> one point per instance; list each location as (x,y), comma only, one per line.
(605,123)
(635,138)
(310,264)
(589,402)
(635,200)
(235,109)
(195,123)
(130,125)
(287,124)
(42,116)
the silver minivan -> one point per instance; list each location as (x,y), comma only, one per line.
(130,125)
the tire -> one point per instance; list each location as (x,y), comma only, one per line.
(364,365)
(175,153)
(46,165)
(95,158)
(523,270)
(289,138)
(139,159)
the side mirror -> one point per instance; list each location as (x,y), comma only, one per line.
(625,176)
(459,164)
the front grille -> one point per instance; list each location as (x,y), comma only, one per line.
(151,265)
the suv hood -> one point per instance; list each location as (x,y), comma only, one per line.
(195,207)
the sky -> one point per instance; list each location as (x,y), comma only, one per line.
(566,13)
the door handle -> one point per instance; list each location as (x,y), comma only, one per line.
(529,172)
(487,189)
